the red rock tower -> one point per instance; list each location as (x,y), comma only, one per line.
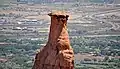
(57,54)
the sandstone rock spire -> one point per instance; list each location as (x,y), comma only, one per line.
(57,54)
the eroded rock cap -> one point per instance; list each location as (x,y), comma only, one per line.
(59,13)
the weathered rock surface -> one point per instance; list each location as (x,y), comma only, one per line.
(57,54)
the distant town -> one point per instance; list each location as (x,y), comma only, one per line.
(96,19)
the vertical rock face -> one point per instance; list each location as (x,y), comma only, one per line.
(57,54)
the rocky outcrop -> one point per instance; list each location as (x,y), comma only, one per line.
(57,54)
